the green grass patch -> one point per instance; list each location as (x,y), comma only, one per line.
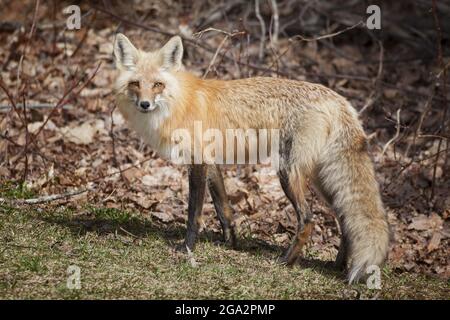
(124,255)
(112,214)
(15,190)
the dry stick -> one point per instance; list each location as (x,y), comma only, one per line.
(263,31)
(188,41)
(27,136)
(45,199)
(375,94)
(64,99)
(213,60)
(227,35)
(120,171)
(396,175)
(301,38)
(25,50)
(276,23)
(444,91)
(419,126)
(397,133)
(2,136)
(83,39)
(14,107)
(326,36)
(7,108)
(113,141)
(273,48)
(230,34)
(61,103)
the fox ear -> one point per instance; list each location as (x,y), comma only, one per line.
(125,53)
(172,53)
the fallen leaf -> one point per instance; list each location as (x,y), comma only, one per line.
(35,126)
(164,217)
(423,222)
(434,241)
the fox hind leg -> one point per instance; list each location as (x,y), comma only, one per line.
(341,259)
(221,203)
(293,185)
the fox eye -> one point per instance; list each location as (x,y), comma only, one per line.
(134,84)
(158,84)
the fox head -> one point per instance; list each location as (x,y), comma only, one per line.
(146,80)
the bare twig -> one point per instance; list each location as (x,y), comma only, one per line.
(263,31)
(25,50)
(213,60)
(120,171)
(11,100)
(397,133)
(375,94)
(444,91)
(45,199)
(326,36)
(417,132)
(7,108)
(83,39)
(63,100)
(27,136)
(276,23)
(229,34)
(114,151)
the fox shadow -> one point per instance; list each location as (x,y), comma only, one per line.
(173,235)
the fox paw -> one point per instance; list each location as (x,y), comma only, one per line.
(288,259)
(183,248)
(230,239)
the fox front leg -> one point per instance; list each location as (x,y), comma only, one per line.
(221,203)
(197,185)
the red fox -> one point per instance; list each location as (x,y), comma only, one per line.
(321,140)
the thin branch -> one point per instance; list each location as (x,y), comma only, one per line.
(213,60)
(263,31)
(7,108)
(397,133)
(64,99)
(276,23)
(327,36)
(45,199)
(229,34)
(444,93)
(11,100)
(27,45)
(375,94)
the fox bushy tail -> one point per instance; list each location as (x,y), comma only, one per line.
(347,179)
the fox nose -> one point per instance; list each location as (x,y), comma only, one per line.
(144,104)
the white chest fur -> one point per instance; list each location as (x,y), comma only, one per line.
(148,125)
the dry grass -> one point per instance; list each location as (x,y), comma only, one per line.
(124,255)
